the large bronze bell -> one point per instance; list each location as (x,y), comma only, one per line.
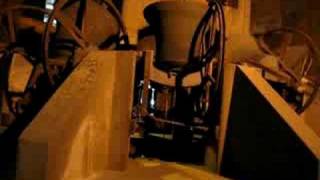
(174,24)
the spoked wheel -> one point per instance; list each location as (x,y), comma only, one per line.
(208,52)
(297,58)
(81,24)
(21,78)
(20,66)
(11,19)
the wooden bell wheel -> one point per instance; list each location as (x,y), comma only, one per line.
(76,33)
(20,66)
(295,71)
(207,51)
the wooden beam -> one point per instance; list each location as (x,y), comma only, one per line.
(260,133)
(84,127)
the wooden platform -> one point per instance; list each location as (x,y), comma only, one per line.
(143,169)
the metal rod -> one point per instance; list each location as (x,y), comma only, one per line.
(177,123)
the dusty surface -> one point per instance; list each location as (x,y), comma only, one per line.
(84,127)
(157,170)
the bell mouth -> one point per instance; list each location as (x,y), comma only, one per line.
(170,66)
(174,25)
(151,12)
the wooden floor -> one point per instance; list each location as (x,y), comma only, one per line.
(140,169)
